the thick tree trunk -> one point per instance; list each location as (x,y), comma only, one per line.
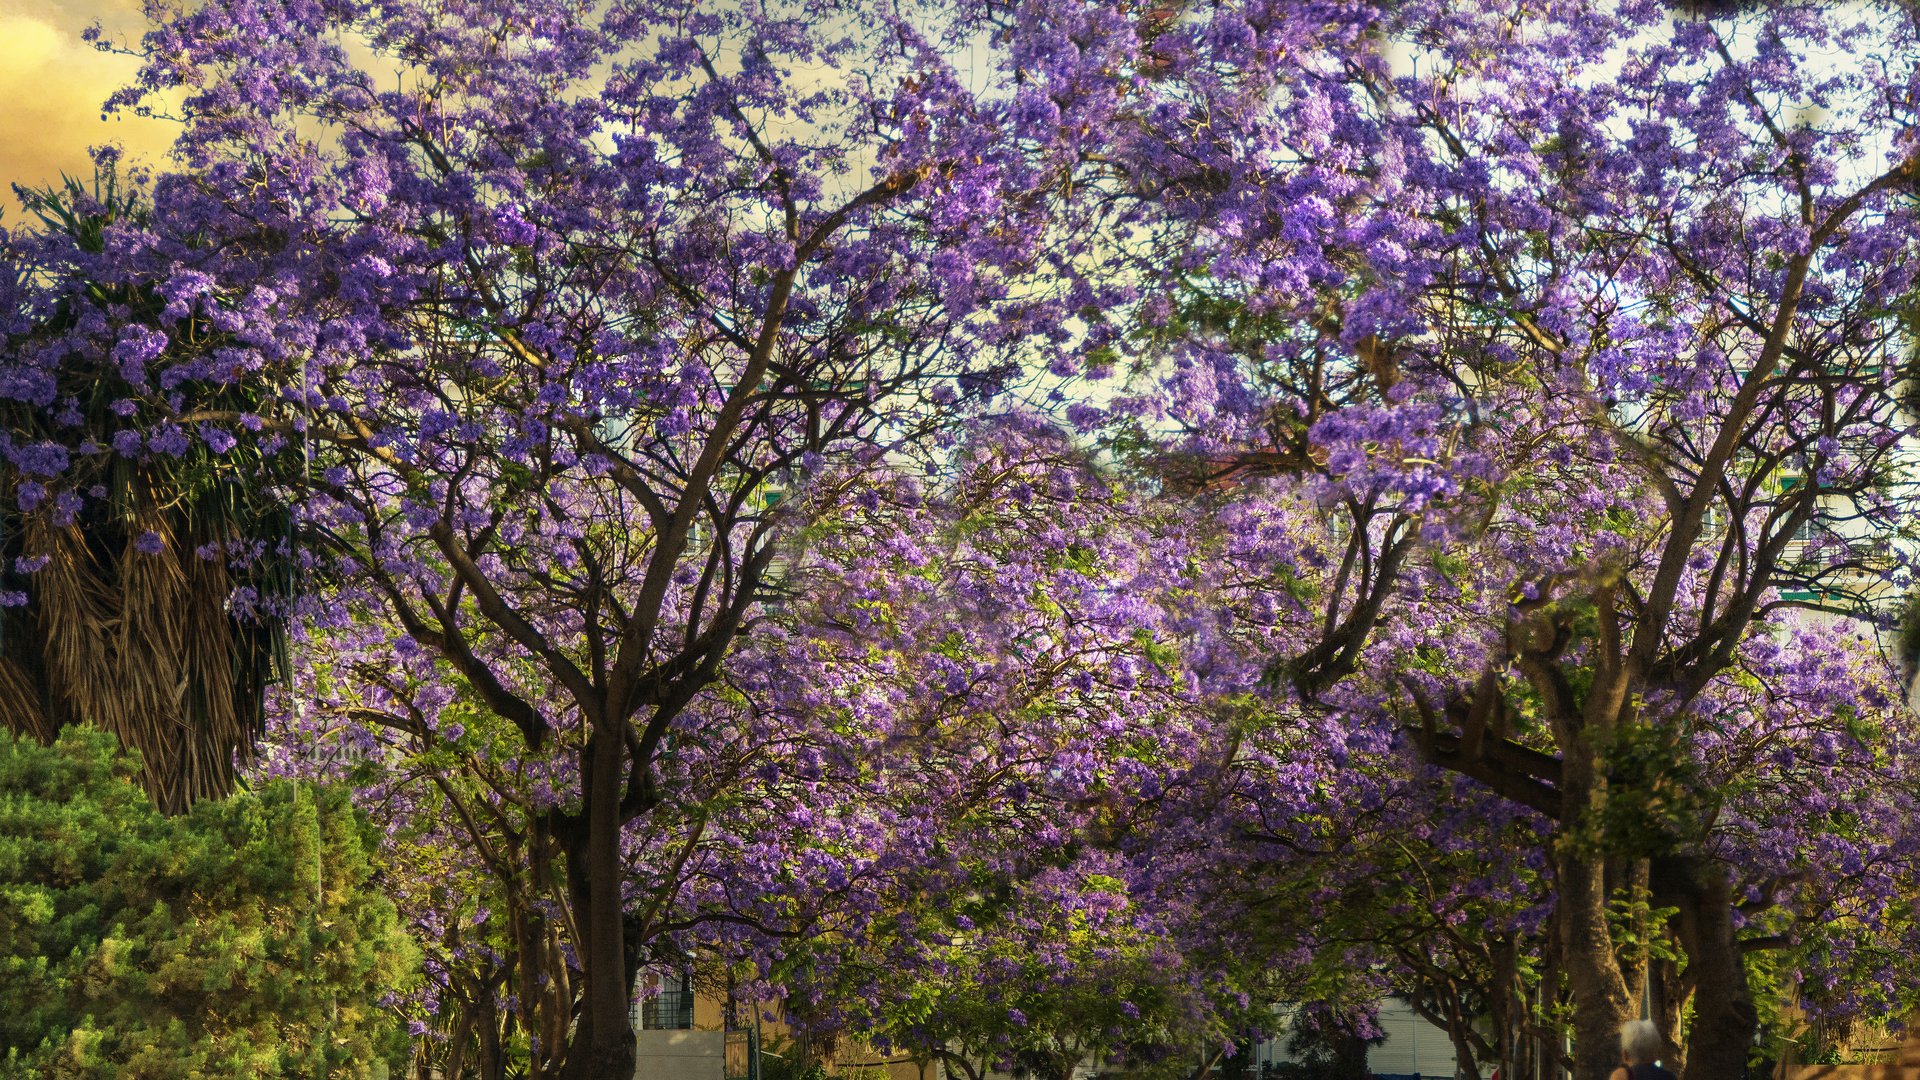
(1464,1061)
(1724,1017)
(1630,876)
(1601,1001)
(456,1063)
(492,1063)
(602,1047)
(1542,1049)
(1500,1006)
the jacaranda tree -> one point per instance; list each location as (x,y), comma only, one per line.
(991,694)
(1520,373)
(1584,323)
(566,296)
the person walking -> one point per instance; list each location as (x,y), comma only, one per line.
(1640,1046)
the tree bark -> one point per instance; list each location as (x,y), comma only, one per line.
(456,1064)
(1500,1005)
(1463,1058)
(602,1046)
(492,1063)
(1724,1016)
(1636,965)
(1671,990)
(1601,1002)
(1540,1049)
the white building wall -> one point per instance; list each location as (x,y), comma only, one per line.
(1413,1047)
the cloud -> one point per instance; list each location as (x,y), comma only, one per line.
(51,87)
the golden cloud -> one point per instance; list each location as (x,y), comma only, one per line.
(52,84)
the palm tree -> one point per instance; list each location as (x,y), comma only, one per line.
(151,610)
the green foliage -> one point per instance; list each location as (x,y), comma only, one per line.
(1655,797)
(785,1059)
(1783,1027)
(1047,982)
(1638,927)
(239,939)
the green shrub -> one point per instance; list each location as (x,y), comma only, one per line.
(238,939)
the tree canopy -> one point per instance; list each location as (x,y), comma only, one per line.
(1248,502)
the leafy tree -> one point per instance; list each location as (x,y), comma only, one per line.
(1055,973)
(242,938)
(821,820)
(1528,370)
(1327,1045)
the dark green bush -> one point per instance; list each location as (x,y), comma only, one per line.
(238,939)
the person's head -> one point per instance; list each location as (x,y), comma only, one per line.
(1640,1042)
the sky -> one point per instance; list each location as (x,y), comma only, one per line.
(51,87)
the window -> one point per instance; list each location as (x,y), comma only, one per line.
(1808,532)
(666,1001)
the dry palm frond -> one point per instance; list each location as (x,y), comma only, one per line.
(77,615)
(140,641)
(217,727)
(23,706)
(150,649)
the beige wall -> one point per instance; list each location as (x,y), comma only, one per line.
(679,1055)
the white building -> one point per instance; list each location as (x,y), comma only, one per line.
(1413,1047)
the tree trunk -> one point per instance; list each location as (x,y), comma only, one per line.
(1601,1003)
(492,1063)
(456,1063)
(1670,992)
(1724,1017)
(1542,1048)
(1463,1059)
(1631,876)
(602,1046)
(1506,1005)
